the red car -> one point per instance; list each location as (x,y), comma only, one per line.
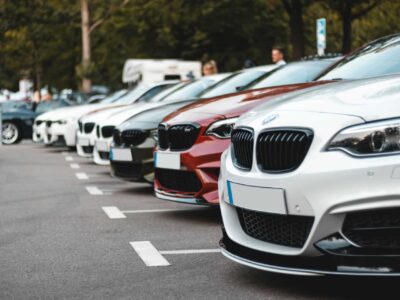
(191,140)
(187,159)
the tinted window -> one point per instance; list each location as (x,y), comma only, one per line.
(166,92)
(191,90)
(381,57)
(297,72)
(146,97)
(113,97)
(232,83)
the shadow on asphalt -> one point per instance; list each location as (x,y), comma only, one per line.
(328,287)
(200,215)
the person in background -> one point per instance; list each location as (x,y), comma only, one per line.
(210,68)
(278,56)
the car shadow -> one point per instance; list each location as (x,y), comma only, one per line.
(197,215)
(326,287)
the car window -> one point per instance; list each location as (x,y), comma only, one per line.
(190,91)
(233,83)
(146,97)
(381,57)
(166,92)
(297,72)
(113,97)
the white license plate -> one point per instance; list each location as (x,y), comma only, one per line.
(270,200)
(121,154)
(83,142)
(102,146)
(167,160)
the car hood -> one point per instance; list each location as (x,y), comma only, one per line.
(232,105)
(369,99)
(101,114)
(127,112)
(72,112)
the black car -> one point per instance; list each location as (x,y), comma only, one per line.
(17,118)
(131,153)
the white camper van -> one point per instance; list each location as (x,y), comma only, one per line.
(154,70)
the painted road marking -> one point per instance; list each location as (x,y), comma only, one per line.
(94,190)
(190,251)
(64,153)
(146,211)
(82,176)
(75,166)
(69,158)
(149,254)
(113,212)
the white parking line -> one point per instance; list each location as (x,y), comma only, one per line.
(94,190)
(64,153)
(190,251)
(149,254)
(147,211)
(82,176)
(69,158)
(113,212)
(75,166)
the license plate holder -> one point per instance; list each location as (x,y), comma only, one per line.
(167,160)
(265,199)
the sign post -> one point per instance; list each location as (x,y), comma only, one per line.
(1,126)
(321,36)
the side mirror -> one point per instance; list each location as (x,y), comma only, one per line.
(239,88)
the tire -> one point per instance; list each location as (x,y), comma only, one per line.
(11,133)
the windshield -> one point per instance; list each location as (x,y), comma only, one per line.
(160,96)
(191,90)
(297,72)
(114,96)
(148,96)
(233,83)
(381,57)
(46,106)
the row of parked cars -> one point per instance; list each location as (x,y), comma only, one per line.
(303,159)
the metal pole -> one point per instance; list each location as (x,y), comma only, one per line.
(1,125)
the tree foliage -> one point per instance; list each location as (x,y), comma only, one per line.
(41,39)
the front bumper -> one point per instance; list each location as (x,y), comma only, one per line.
(328,188)
(139,168)
(101,151)
(38,132)
(66,132)
(203,161)
(324,264)
(85,143)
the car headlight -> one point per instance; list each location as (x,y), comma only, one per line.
(222,129)
(373,139)
(154,134)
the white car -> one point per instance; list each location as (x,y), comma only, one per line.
(310,184)
(87,134)
(62,124)
(43,121)
(105,127)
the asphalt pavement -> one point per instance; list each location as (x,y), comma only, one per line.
(69,230)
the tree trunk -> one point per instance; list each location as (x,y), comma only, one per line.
(86,82)
(347,19)
(296,29)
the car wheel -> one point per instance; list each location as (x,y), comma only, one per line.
(11,134)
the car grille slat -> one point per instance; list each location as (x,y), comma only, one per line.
(178,180)
(284,230)
(242,148)
(80,126)
(133,137)
(162,137)
(88,127)
(376,229)
(177,137)
(117,137)
(107,131)
(282,150)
